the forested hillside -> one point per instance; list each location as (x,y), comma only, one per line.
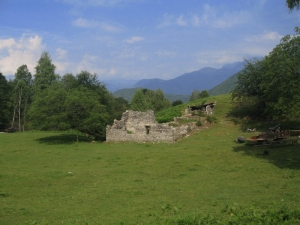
(226,86)
(203,79)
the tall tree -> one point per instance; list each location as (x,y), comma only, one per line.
(45,72)
(271,86)
(159,101)
(195,95)
(21,95)
(4,101)
(145,99)
(203,94)
(139,102)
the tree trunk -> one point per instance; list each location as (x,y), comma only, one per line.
(13,120)
(20,101)
(24,113)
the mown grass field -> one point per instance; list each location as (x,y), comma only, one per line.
(48,178)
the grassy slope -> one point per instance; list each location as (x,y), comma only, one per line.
(139,183)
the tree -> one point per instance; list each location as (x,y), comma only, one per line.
(195,95)
(21,95)
(79,109)
(45,72)
(91,82)
(139,102)
(4,102)
(177,102)
(271,86)
(203,94)
(69,81)
(145,99)
(293,4)
(85,113)
(159,101)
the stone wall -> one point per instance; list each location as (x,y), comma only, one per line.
(137,126)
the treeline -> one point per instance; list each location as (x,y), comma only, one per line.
(47,101)
(270,88)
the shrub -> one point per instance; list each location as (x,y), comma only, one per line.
(199,123)
(211,119)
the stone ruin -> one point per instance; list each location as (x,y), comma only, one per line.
(206,108)
(137,126)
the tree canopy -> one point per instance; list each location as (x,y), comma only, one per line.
(270,87)
(44,72)
(197,94)
(78,109)
(292,4)
(21,95)
(145,99)
(4,101)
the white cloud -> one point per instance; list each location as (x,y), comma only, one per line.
(181,21)
(91,24)
(7,43)
(210,17)
(232,19)
(14,53)
(195,20)
(266,36)
(61,53)
(164,53)
(85,3)
(168,20)
(134,39)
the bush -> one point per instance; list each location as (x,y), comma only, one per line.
(199,123)
(211,119)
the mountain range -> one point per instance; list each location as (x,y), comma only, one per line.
(215,81)
(203,79)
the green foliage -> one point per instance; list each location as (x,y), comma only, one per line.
(271,85)
(44,72)
(177,102)
(240,215)
(128,93)
(139,102)
(167,115)
(21,96)
(225,87)
(78,109)
(211,119)
(4,102)
(145,99)
(199,123)
(204,94)
(197,94)
(292,4)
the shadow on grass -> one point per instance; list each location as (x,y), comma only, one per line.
(285,156)
(64,139)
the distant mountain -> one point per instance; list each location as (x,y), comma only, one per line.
(203,79)
(127,93)
(117,84)
(226,86)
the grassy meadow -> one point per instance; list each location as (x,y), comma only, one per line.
(48,178)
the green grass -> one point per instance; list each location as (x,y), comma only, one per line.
(48,178)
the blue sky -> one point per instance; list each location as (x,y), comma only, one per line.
(137,39)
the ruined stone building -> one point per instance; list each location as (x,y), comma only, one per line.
(207,108)
(137,126)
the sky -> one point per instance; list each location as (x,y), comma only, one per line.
(139,39)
